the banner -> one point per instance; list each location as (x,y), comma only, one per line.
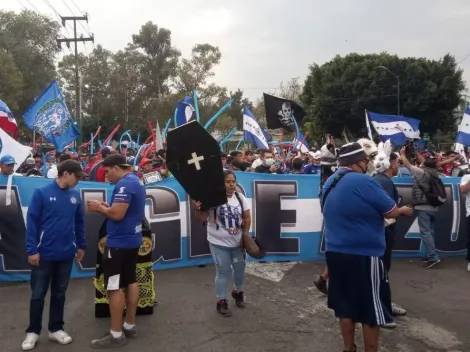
(286,219)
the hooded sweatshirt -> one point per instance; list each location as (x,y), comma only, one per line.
(55,225)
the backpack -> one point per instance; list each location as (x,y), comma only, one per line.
(436,195)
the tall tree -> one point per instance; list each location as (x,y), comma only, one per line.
(28,47)
(338,92)
(193,73)
(160,59)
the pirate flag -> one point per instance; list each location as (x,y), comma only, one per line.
(194,159)
(280,113)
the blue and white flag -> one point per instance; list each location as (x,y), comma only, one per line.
(463,135)
(184,111)
(300,143)
(394,127)
(252,132)
(50,117)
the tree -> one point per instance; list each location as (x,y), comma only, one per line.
(28,49)
(193,73)
(338,92)
(160,58)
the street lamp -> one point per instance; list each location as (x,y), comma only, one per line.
(398,86)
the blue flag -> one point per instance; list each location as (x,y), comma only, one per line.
(394,127)
(50,117)
(252,132)
(463,136)
(184,111)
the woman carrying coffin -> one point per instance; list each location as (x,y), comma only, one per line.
(225,227)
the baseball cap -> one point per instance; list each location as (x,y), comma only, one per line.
(116,160)
(72,167)
(30,161)
(145,161)
(7,160)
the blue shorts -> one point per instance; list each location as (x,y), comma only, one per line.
(358,288)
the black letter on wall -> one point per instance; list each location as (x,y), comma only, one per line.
(269,217)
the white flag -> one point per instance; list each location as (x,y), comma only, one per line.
(8,146)
(158,137)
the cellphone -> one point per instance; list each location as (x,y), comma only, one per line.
(278,163)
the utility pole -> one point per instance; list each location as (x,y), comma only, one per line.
(76,40)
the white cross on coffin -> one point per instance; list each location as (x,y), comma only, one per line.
(196,161)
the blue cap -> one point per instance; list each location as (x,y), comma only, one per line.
(7,160)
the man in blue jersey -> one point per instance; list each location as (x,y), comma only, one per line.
(123,240)
(354,208)
(55,234)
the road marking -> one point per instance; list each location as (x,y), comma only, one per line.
(269,271)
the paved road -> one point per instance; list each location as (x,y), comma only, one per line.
(284,313)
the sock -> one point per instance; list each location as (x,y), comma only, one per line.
(116,334)
(128,326)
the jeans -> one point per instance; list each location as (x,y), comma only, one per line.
(426,222)
(226,258)
(56,274)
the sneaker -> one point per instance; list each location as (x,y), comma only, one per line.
(320,283)
(239,298)
(391,325)
(398,311)
(60,336)
(222,308)
(108,341)
(130,333)
(468,267)
(30,341)
(353,350)
(431,263)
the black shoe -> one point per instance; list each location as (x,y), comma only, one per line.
(320,283)
(431,263)
(239,299)
(222,308)
(354,350)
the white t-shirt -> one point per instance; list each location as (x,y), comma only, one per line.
(466,179)
(229,219)
(53,172)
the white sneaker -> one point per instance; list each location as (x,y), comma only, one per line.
(468,267)
(398,311)
(30,342)
(61,337)
(391,325)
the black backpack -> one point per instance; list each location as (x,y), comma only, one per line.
(436,195)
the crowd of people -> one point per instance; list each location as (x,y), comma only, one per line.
(359,240)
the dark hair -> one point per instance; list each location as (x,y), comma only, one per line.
(294,151)
(297,164)
(264,151)
(229,172)
(223,155)
(116,160)
(238,164)
(235,153)
(64,157)
(229,159)
(37,155)
(431,163)
(393,156)
(161,152)
(249,153)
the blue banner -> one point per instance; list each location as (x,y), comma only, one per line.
(286,219)
(50,117)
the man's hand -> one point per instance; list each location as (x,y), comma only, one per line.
(80,255)
(273,168)
(93,205)
(104,204)
(406,210)
(33,259)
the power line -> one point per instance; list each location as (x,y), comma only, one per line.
(34,7)
(24,7)
(73,2)
(80,23)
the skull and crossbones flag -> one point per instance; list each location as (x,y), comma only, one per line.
(280,113)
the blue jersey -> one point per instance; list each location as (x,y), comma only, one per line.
(354,215)
(127,233)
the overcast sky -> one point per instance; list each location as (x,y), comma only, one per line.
(265,42)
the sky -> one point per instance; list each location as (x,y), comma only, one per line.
(266,42)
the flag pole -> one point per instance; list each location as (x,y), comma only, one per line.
(213,118)
(196,105)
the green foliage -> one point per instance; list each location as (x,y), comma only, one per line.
(27,52)
(338,92)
